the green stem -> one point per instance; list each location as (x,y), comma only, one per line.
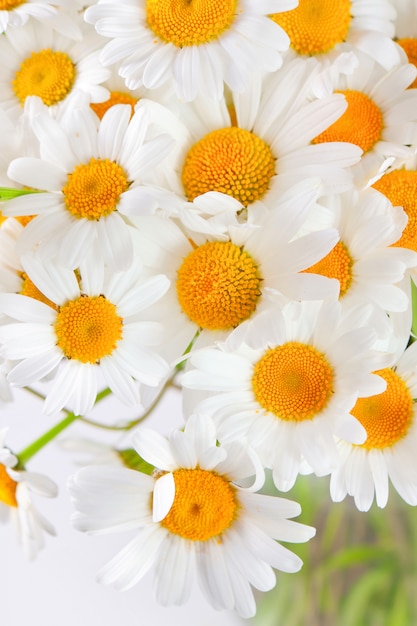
(414,310)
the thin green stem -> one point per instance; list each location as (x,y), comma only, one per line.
(414,310)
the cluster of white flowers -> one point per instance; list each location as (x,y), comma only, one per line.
(220,193)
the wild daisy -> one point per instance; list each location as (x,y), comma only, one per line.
(194,519)
(406,29)
(16,13)
(90,172)
(381,117)
(390,421)
(16,487)
(90,328)
(287,381)
(197,46)
(37,61)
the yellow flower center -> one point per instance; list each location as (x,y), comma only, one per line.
(116,97)
(7,488)
(293,381)
(409,45)
(231,160)
(7,5)
(361,123)
(316,26)
(190,22)
(400,187)
(336,264)
(94,188)
(28,288)
(387,416)
(88,328)
(218,285)
(47,74)
(204,505)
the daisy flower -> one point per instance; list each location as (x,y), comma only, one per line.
(91,327)
(91,172)
(406,30)
(287,381)
(16,487)
(198,46)
(366,261)
(390,421)
(381,117)
(37,61)
(220,279)
(194,519)
(325,28)
(16,13)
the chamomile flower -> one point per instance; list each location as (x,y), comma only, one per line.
(196,46)
(16,13)
(37,61)
(381,117)
(16,487)
(91,327)
(287,381)
(388,454)
(325,28)
(406,30)
(219,279)
(91,172)
(194,519)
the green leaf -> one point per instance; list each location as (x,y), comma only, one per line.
(132,460)
(360,603)
(358,555)
(8,193)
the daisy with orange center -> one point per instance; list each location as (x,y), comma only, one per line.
(195,46)
(90,326)
(406,30)
(286,381)
(90,189)
(388,453)
(192,514)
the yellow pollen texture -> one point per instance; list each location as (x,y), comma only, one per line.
(336,264)
(218,285)
(190,22)
(28,288)
(316,26)
(204,505)
(7,5)
(231,160)
(88,329)
(94,188)
(361,123)
(7,488)
(409,45)
(387,416)
(293,381)
(116,97)
(400,187)
(48,74)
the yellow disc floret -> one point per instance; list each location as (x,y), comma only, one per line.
(116,97)
(204,506)
(400,187)
(88,328)
(336,264)
(409,45)
(7,488)
(293,381)
(231,160)
(94,188)
(28,288)
(48,74)
(387,416)
(361,123)
(190,22)
(8,5)
(316,26)
(218,285)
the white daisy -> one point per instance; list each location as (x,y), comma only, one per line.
(193,517)
(92,173)
(381,116)
(16,487)
(16,13)
(197,46)
(219,279)
(37,61)
(287,381)
(326,28)
(91,327)
(389,452)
